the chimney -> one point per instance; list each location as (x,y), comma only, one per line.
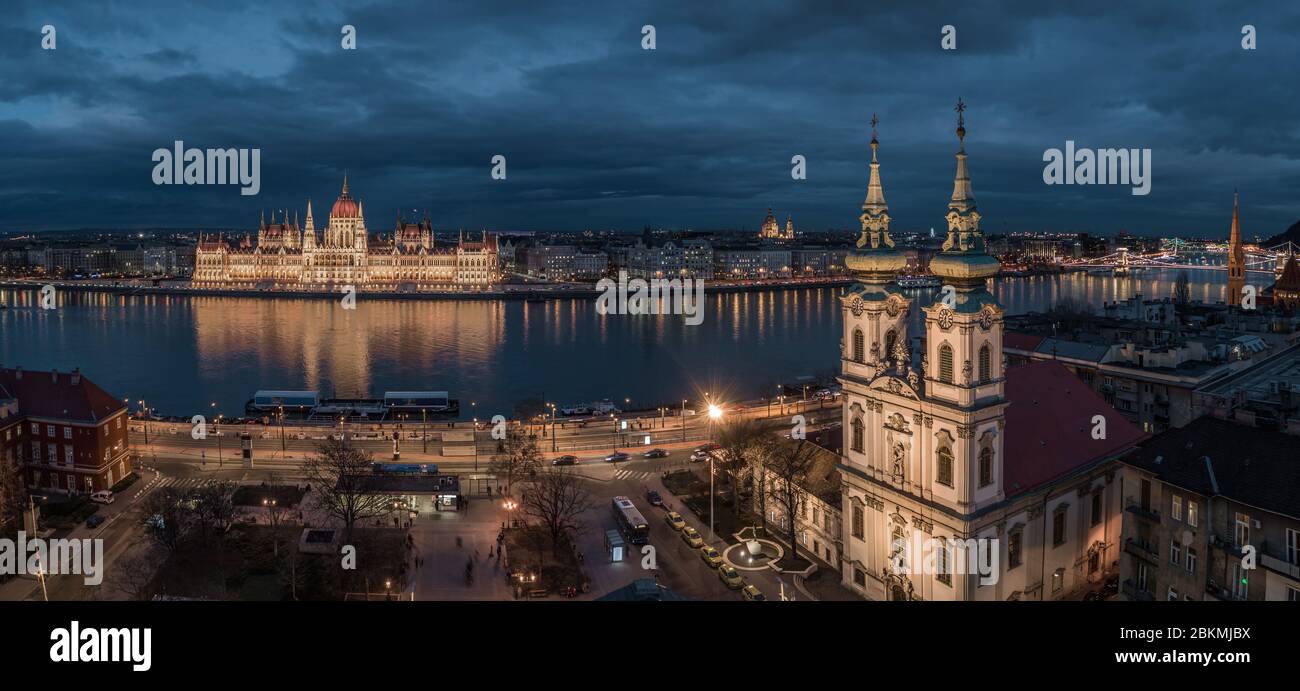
(76,376)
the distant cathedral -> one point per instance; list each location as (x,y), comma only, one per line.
(292,256)
(1236,259)
(772,230)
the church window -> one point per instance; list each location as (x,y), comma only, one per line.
(943,472)
(986,467)
(858,346)
(890,338)
(945,363)
(858,435)
(985,367)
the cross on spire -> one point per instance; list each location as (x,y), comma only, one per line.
(961,119)
(874,121)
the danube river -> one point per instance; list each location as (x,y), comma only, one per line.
(182,354)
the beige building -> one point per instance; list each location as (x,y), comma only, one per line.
(286,255)
(963,480)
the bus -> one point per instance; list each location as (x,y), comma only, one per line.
(630,522)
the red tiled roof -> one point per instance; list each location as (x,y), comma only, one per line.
(42,394)
(1019,341)
(1049,426)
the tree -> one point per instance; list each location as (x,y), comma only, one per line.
(790,462)
(341,477)
(557,499)
(133,576)
(166,518)
(213,508)
(1182,291)
(517,457)
(13,497)
(739,440)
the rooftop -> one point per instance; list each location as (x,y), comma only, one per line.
(1215,457)
(59,395)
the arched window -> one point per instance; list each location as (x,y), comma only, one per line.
(985,369)
(858,444)
(986,467)
(943,470)
(945,363)
(858,346)
(890,337)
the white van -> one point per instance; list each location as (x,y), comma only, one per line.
(102,497)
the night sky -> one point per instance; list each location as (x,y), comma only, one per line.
(599,133)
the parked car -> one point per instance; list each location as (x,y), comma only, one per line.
(711,556)
(656,453)
(94,520)
(730,577)
(654,498)
(691,537)
(749,592)
(102,497)
(675,520)
(616,457)
(565,460)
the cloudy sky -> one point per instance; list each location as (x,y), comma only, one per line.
(599,133)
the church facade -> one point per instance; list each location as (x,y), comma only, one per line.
(287,255)
(952,490)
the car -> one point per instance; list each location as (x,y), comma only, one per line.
(675,520)
(94,520)
(707,447)
(749,592)
(730,577)
(654,498)
(692,537)
(616,457)
(655,453)
(711,556)
(565,460)
(102,497)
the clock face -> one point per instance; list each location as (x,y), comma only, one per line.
(856,307)
(986,319)
(945,318)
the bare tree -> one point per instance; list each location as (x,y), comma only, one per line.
(13,497)
(133,575)
(1182,289)
(517,457)
(166,517)
(790,463)
(213,508)
(341,477)
(739,440)
(275,512)
(557,499)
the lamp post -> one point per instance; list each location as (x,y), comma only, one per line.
(144,415)
(424,429)
(218,431)
(555,444)
(615,419)
(475,445)
(282,448)
(715,413)
(683,419)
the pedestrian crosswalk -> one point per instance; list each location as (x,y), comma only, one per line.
(624,474)
(179,483)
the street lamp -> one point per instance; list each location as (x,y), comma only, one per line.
(683,419)
(282,449)
(424,429)
(475,445)
(715,413)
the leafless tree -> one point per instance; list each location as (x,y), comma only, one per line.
(739,440)
(790,463)
(517,457)
(13,497)
(1182,290)
(275,513)
(213,508)
(340,477)
(166,517)
(557,499)
(133,575)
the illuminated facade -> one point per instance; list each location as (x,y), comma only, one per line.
(771,230)
(287,255)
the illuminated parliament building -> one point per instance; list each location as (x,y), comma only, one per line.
(289,256)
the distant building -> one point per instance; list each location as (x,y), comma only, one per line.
(1200,499)
(66,433)
(751,262)
(1236,259)
(686,258)
(771,230)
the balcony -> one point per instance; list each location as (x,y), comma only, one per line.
(1142,550)
(1140,511)
(1131,591)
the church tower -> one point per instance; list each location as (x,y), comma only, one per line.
(1236,260)
(964,370)
(875,310)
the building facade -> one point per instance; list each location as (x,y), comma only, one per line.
(937,459)
(69,435)
(288,255)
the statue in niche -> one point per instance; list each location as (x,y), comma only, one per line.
(898,460)
(966,370)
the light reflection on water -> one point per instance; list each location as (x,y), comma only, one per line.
(180,354)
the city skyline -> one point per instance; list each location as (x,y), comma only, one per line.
(602,134)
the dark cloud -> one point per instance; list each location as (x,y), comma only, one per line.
(599,133)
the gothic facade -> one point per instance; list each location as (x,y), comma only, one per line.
(287,255)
